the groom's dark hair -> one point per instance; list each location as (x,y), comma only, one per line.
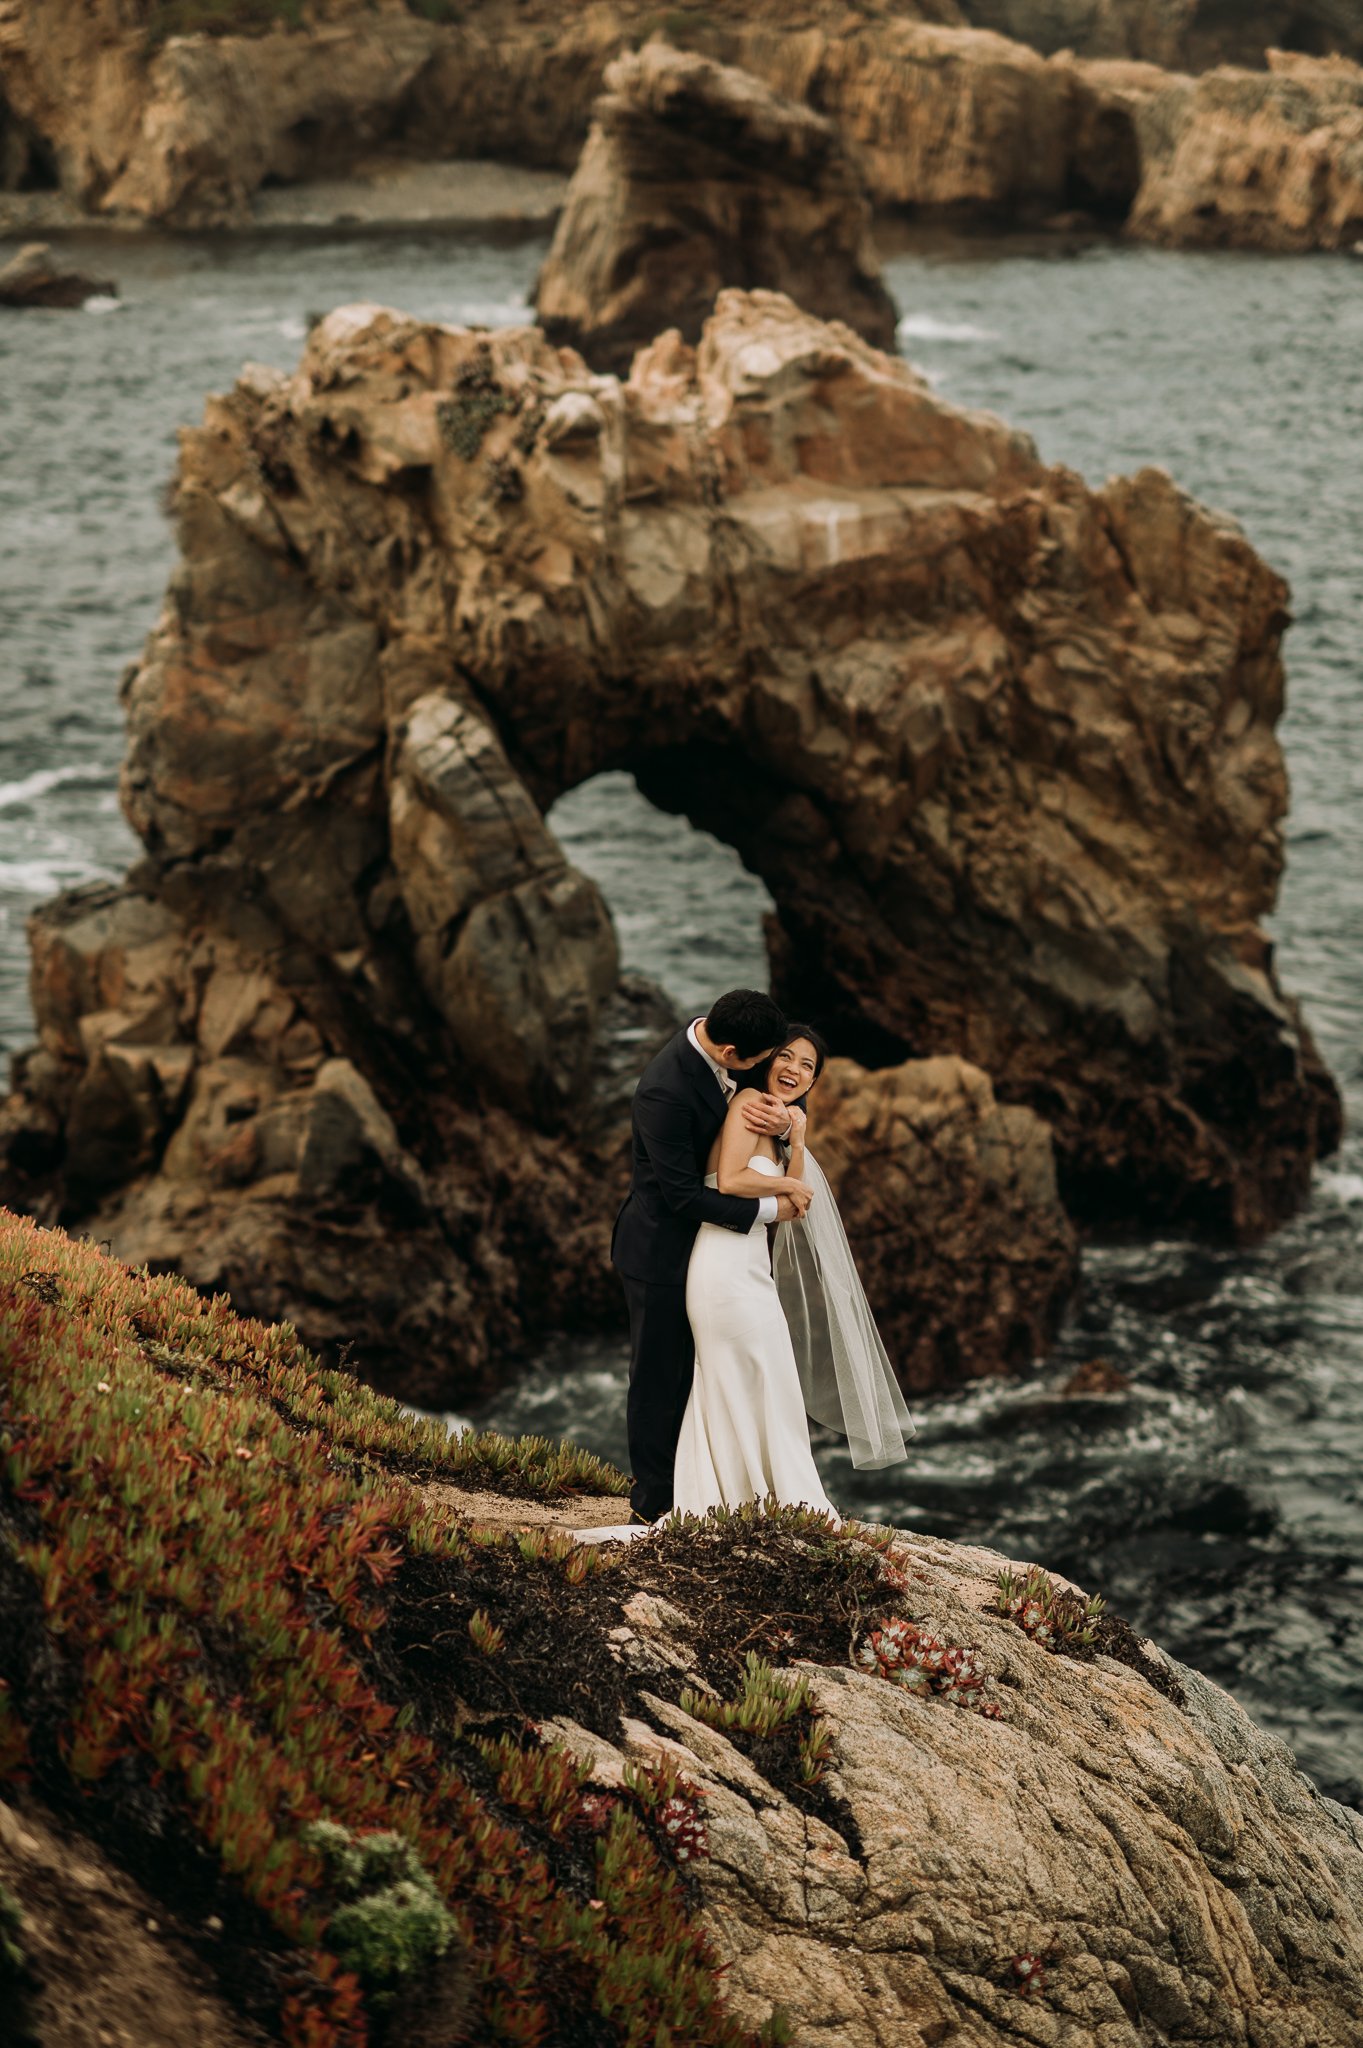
(747,1020)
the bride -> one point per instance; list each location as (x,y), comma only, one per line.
(782,1334)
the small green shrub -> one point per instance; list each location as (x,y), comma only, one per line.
(392,1922)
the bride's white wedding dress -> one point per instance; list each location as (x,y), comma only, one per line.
(744,1433)
(770,1352)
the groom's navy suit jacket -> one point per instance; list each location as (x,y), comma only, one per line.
(679,1107)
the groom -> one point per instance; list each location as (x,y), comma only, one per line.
(679,1107)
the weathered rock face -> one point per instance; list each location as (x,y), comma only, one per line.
(950,1201)
(941,115)
(1244,159)
(696,176)
(1178,1878)
(1001,747)
(223,1099)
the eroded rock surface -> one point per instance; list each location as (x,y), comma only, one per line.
(696,176)
(351,1040)
(950,1202)
(1176,1876)
(942,115)
(1242,159)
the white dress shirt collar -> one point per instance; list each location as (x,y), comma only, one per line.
(721,1074)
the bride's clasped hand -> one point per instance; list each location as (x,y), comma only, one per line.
(747,1315)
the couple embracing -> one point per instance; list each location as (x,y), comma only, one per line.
(745,1310)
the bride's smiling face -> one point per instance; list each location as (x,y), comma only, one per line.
(794,1070)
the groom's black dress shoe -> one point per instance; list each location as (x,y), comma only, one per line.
(646,1520)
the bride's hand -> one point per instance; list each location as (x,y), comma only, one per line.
(795,1135)
(797,1191)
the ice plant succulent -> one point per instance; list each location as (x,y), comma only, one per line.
(765,1703)
(210,1638)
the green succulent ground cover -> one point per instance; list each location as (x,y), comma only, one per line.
(208,1549)
(251,1651)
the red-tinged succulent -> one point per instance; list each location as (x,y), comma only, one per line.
(906,1655)
(1029,1974)
(1054,1617)
(683,1823)
(218,1633)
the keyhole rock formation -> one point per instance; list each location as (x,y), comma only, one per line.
(1001,746)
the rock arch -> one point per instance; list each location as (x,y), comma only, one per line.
(1001,747)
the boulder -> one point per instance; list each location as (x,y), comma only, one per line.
(1245,159)
(35,278)
(951,1205)
(696,176)
(1121,1858)
(1001,746)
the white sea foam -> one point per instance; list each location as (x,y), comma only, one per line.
(33,877)
(927,327)
(103,302)
(43,780)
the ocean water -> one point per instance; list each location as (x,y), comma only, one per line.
(1218,1503)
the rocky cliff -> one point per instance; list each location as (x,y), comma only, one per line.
(943,116)
(315,1728)
(351,1039)
(1268,160)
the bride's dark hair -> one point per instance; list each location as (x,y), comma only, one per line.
(760,1076)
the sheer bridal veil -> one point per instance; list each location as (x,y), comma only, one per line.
(845,1375)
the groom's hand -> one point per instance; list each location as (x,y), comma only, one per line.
(766,1115)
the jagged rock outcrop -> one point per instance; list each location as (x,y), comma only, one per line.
(942,116)
(1176,1877)
(892,1143)
(696,176)
(1001,747)
(1242,159)
(35,278)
